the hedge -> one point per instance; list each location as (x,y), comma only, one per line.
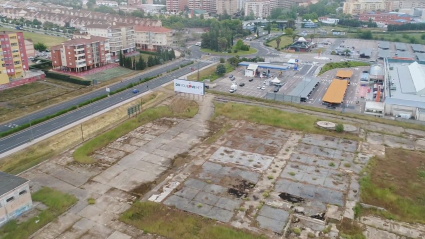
(153,53)
(67,78)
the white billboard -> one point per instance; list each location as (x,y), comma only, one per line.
(191,87)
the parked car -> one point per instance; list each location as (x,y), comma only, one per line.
(230,76)
(250,80)
(263,88)
(242,84)
(276,89)
(331,107)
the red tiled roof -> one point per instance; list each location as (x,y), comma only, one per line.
(139,28)
(80,41)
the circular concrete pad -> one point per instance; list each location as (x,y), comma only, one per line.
(326,124)
(350,128)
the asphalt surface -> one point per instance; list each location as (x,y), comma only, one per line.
(36,131)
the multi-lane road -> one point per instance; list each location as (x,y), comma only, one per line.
(36,131)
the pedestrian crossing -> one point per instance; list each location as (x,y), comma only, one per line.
(10,125)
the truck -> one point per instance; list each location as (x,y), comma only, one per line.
(233,88)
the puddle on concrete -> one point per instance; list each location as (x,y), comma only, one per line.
(291,198)
(241,190)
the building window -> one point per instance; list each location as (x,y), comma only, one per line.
(70,64)
(10,199)
(22,192)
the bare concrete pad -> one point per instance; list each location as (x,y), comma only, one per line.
(270,224)
(38,178)
(195,183)
(244,159)
(178,202)
(274,213)
(187,192)
(206,198)
(399,142)
(372,232)
(96,187)
(220,214)
(310,192)
(109,174)
(119,235)
(214,189)
(98,231)
(112,153)
(131,178)
(228,204)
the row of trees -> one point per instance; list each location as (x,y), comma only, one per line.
(221,34)
(356,23)
(135,63)
(405,27)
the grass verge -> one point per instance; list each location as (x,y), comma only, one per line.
(239,53)
(210,73)
(400,192)
(179,108)
(57,203)
(326,111)
(175,224)
(284,41)
(36,37)
(345,64)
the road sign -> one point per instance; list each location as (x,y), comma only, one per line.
(133,110)
(108,90)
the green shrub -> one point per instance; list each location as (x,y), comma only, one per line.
(339,128)
(67,78)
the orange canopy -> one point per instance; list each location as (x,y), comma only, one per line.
(344,74)
(336,91)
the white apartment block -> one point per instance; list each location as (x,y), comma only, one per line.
(355,7)
(107,3)
(121,36)
(152,38)
(260,9)
(228,6)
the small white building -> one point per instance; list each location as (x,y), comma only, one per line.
(15,197)
(374,108)
(251,70)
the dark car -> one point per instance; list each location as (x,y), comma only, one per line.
(331,107)
(276,89)
(251,80)
(230,76)
(241,84)
(135,91)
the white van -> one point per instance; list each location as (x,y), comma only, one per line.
(198,44)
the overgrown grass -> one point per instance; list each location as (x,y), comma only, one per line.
(322,110)
(176,224)
(209,73)
(57,203)
(48,40)
(284,41)
(273,117)
(345,64)
(395,183)
(350,229)
(179,108)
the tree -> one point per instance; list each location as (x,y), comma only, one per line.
(278,42)
(40,46)
(289,31)
(311,36)
(268,27)
(121,59)
(222,43)
(423,36)
(137,13)
(221,70)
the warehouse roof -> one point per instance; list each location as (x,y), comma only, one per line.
(384,54)
(344,74)
(366,52)
(304,87)
(420,56)
(336,91)
(400,46)
(417,48)
(8,182)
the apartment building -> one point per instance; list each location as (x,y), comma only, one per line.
(13,56)
(152,38)
(356,7)
(81,54)
(107,3)
(260,8)
(15,197)
(176,5)
(206,5)
(121,36)
(228,6)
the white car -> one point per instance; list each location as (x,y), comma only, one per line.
(263,88)
(259,87)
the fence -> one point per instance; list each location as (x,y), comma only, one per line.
(283,98)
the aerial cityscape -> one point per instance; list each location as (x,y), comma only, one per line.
(212,119)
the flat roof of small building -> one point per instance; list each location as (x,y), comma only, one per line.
(374,105)
(420,56)
(384,45)
(366,52)
(264,65)
(304,87)
(403,54)
(344,74)
(385,54)
(417,47)
(8,182)
(336,91)
(400,46)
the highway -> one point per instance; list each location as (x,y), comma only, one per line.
(36,131)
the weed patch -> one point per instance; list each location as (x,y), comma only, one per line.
(175,224)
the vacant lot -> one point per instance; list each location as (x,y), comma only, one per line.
(401,192)
(35,37)
(175,224)
(24,90)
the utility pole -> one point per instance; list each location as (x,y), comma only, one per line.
(82,135)
(32,135)
(198,70)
